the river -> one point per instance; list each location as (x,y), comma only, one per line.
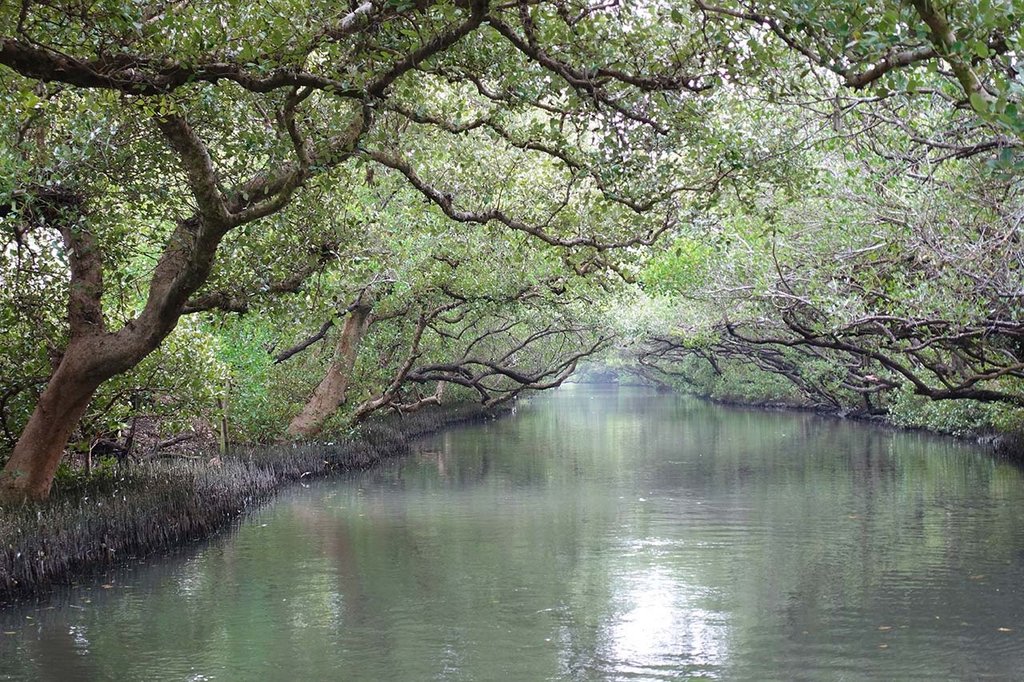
(598,534)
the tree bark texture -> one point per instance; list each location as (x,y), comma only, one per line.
(33,463)
(328,396)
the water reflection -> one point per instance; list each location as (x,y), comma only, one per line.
(662,627)
(614,535)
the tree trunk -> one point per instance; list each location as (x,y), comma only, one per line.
(91,358)
(94,354)
(30,470)
(222,435)
(330,393)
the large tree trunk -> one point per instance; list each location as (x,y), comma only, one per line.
(328,396)
(94,354)
(31,467)
(89,360)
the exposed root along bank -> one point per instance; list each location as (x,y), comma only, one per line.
(158,505)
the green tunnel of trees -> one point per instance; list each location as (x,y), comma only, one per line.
(286,216)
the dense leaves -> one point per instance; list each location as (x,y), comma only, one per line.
(789,202)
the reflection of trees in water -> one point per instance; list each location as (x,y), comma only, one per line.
(454,467)
(333,540)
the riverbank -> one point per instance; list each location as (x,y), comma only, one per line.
(157,505)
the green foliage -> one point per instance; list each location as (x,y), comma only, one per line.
(957,417)
(179,382)
(684,267)
(104,476)
(814,212)
(251,389)
(748,385)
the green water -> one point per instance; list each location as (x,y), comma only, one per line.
(597,535)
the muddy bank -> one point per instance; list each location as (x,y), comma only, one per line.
(157,505)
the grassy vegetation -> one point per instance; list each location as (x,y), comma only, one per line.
(147,507)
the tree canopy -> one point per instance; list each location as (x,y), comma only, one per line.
(304,213)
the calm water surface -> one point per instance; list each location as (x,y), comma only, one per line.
(599,535)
